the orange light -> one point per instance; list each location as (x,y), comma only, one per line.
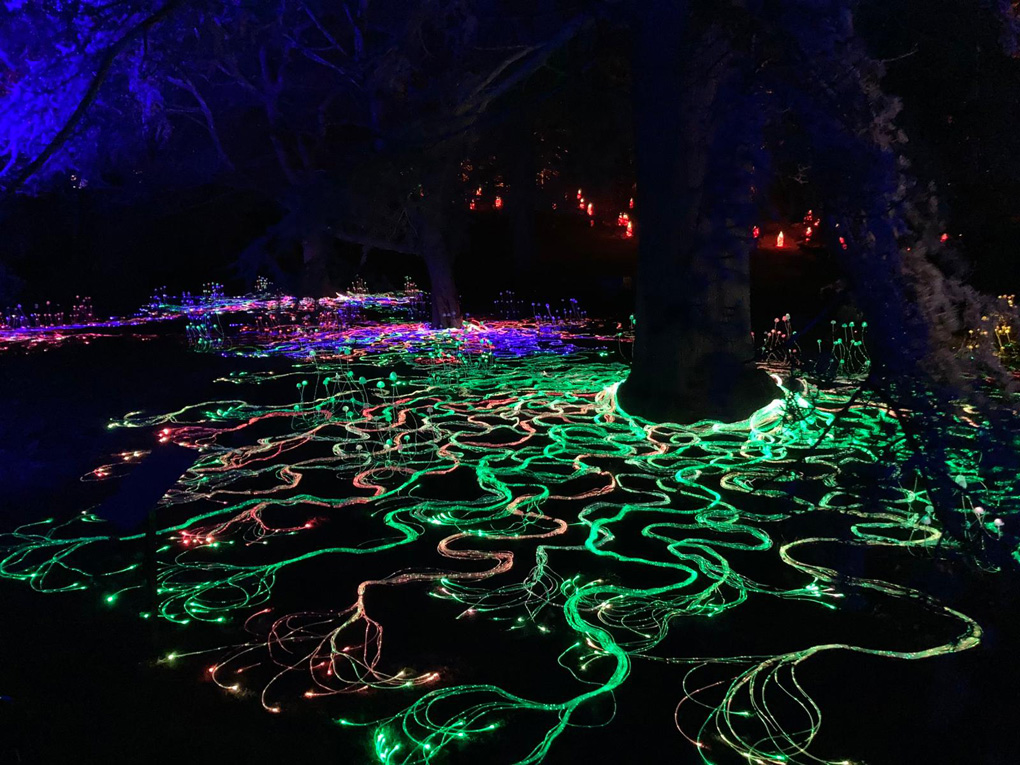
(781,240)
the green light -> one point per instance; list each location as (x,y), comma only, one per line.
(681,521)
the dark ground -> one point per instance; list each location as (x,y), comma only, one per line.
(79,686)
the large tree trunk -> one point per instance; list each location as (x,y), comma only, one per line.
(521,194)
(435,230)
(693,351)
(445,300)
(316,247)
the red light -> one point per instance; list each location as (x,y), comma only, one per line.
(781,240)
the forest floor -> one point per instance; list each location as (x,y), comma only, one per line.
(639,553)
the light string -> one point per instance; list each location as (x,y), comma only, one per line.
(488,456)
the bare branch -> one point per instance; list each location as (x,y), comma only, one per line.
(541,55)
(210,122)
(92,92)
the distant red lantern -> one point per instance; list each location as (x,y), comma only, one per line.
(781,240)
(499,203)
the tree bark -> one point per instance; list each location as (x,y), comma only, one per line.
(435,229)
(439,261)
(317,247)
(91,93)
(521,194)
(693,351)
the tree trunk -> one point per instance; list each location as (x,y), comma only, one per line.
(435,230)
(693,351)
(445,300)
(521,195)
(317,247)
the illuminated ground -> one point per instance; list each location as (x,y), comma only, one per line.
(411,547)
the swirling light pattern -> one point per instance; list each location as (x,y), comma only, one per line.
(492,470)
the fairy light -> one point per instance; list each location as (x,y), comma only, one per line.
(564,477)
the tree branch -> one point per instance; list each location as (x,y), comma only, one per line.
(106,63)
(188,85)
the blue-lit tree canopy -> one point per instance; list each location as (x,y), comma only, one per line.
(572,529)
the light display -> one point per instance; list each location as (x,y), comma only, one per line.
(489,473)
